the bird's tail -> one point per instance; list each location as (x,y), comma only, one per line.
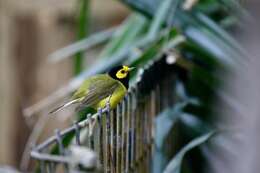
(63,106)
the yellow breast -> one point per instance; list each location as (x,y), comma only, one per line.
(116,97)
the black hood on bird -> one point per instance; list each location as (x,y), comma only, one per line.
(112,73)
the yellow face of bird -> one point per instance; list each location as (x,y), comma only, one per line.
(123,72)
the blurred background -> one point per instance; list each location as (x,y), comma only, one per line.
(30,31)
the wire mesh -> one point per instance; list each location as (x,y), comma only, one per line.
(122,139)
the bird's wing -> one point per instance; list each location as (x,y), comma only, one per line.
(87,85)
(96,88)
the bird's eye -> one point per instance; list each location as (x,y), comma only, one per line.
(123,71)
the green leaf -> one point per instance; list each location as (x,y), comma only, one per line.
(200,30)
(211,44)
(174,165)
(82,45)
(208,6)
(148,7)
(168,118)
(125,35)
(161,16)
(181,92)
(221,33)
(195,125)
(144,6)
(164,123)
(82,32)
(236,8)
(155,47)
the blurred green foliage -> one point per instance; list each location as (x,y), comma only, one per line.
(82,31)
(197,34)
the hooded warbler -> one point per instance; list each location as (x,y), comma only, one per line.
(98,90)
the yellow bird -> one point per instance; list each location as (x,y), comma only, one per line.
(101,89)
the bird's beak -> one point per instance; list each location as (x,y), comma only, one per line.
(131,68)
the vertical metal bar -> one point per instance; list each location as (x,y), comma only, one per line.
(96,133)
(128,114)
(152,117)
(100,136)
(119,130)
(104,126)
(143,144)
(61,147)
(133,129)
(112,142)
(124,134)
(145,124)
(42,166)
(59,141)
(130,146)
(140,124)
(108,152)
(134,123)
(149,115)
(146,132)
(150,126)
(137,134)
(48,168)
(77,133)
(90,132)
(52,167)
(96,137)
(91,137)
(115,154)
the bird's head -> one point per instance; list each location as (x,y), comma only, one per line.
(121,73)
